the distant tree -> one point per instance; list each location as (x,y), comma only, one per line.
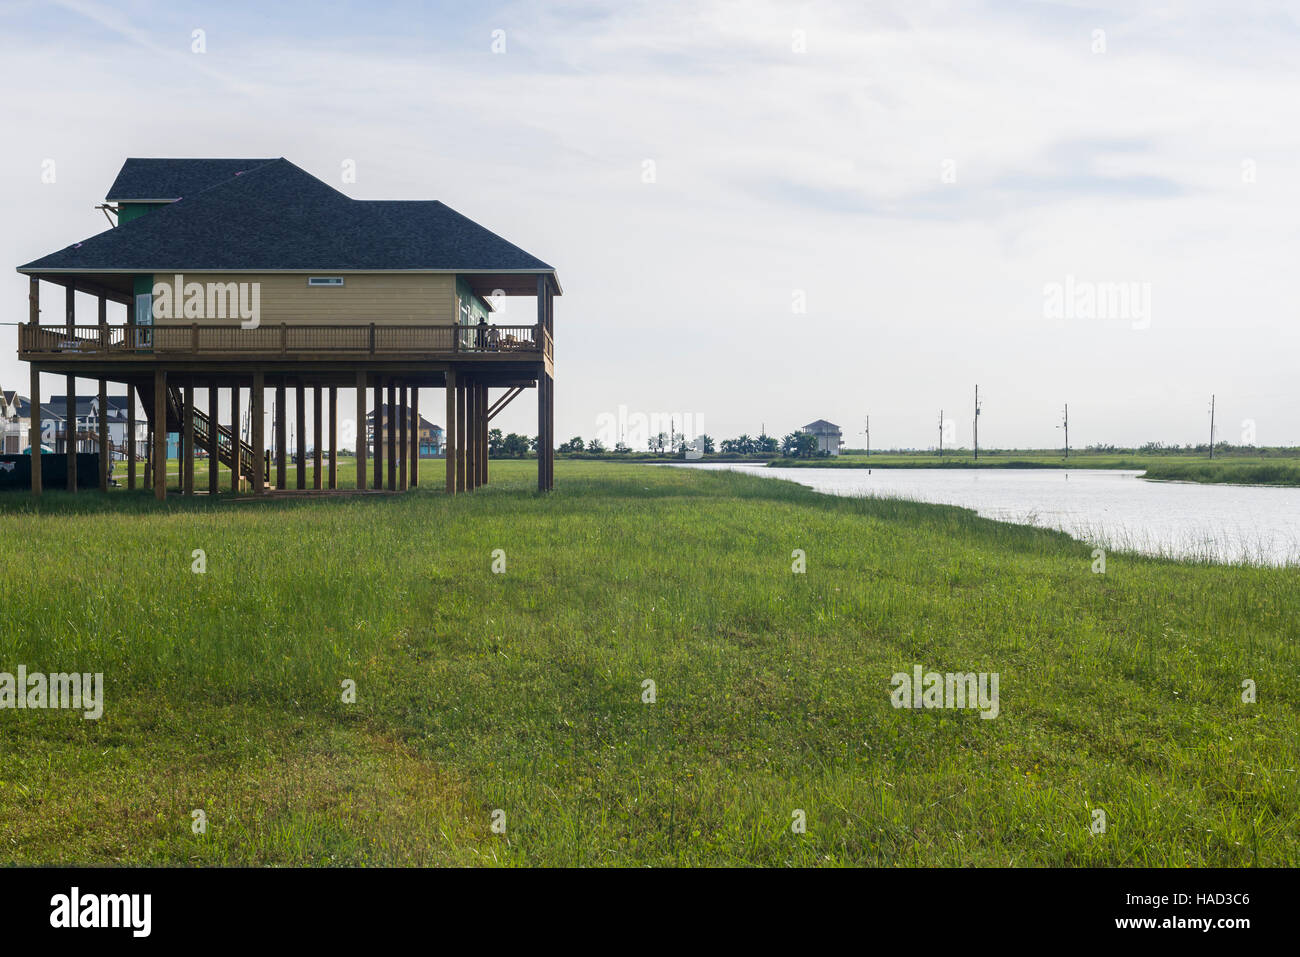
(496,442)
(515,445)
(596,446)
(659,442)
(705,444)
(799,445)
(574,444)
(766,445)
(533,443)
(620,448)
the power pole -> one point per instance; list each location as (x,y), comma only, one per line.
(1067,430)
(1211,426)
(868,436)
(977,423)
(941,433)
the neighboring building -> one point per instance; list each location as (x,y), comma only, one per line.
(15,422)
(86,427)
(15,419)
(829,437)
(430,434)
(238,276)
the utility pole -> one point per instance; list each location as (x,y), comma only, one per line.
(977,423)
(1211,427)
(868,436)
(941,433)
(1067,430)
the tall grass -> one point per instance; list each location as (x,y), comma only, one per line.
(1227,473)
(523,692)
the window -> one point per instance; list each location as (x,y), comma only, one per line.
(325,280)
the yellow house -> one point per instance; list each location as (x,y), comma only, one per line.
(248,275)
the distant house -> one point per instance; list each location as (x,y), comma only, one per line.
(829,436)
(15,420)
(16,416)
(54,423)
(430,434)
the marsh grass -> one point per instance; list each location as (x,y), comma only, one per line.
(1227,473)
(522,691)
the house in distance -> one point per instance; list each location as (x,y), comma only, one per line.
(829,437)
(237,276)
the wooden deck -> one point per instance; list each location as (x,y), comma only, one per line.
(283,341)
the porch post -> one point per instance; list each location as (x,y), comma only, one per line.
(159,451)
(403,450)
(449,435)
(300,409)
(70,400)
(390,436)
(334,437)
(483,420)
(472,436)
(317,460)
(542,440)
(34,424)
(188,484)
(257,413)
(476,451)
(377,430)
(236,439)
(462,436)
(281,436)
(214,440)
(361,430)
(130,437)
(105,450)
(415,436)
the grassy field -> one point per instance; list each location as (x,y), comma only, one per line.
(522,692)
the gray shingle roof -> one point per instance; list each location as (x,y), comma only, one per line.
(279,217)
(143,179)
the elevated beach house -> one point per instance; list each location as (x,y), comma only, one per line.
(241,275)
(829,437)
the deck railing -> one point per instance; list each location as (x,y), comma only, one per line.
(281,339)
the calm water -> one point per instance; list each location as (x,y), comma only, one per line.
(1115,509)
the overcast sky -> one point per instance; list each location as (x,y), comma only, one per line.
(761,213)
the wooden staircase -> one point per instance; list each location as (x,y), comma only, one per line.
(227,447)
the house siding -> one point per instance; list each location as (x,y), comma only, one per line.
(381,298)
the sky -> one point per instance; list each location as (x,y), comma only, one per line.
(761,213)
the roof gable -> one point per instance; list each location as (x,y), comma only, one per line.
(277,217)
(150,179)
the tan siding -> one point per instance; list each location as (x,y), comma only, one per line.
(382,298)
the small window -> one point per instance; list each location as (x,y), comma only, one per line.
(325,280)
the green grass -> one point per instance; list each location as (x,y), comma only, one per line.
(1227,473)
(523,691)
